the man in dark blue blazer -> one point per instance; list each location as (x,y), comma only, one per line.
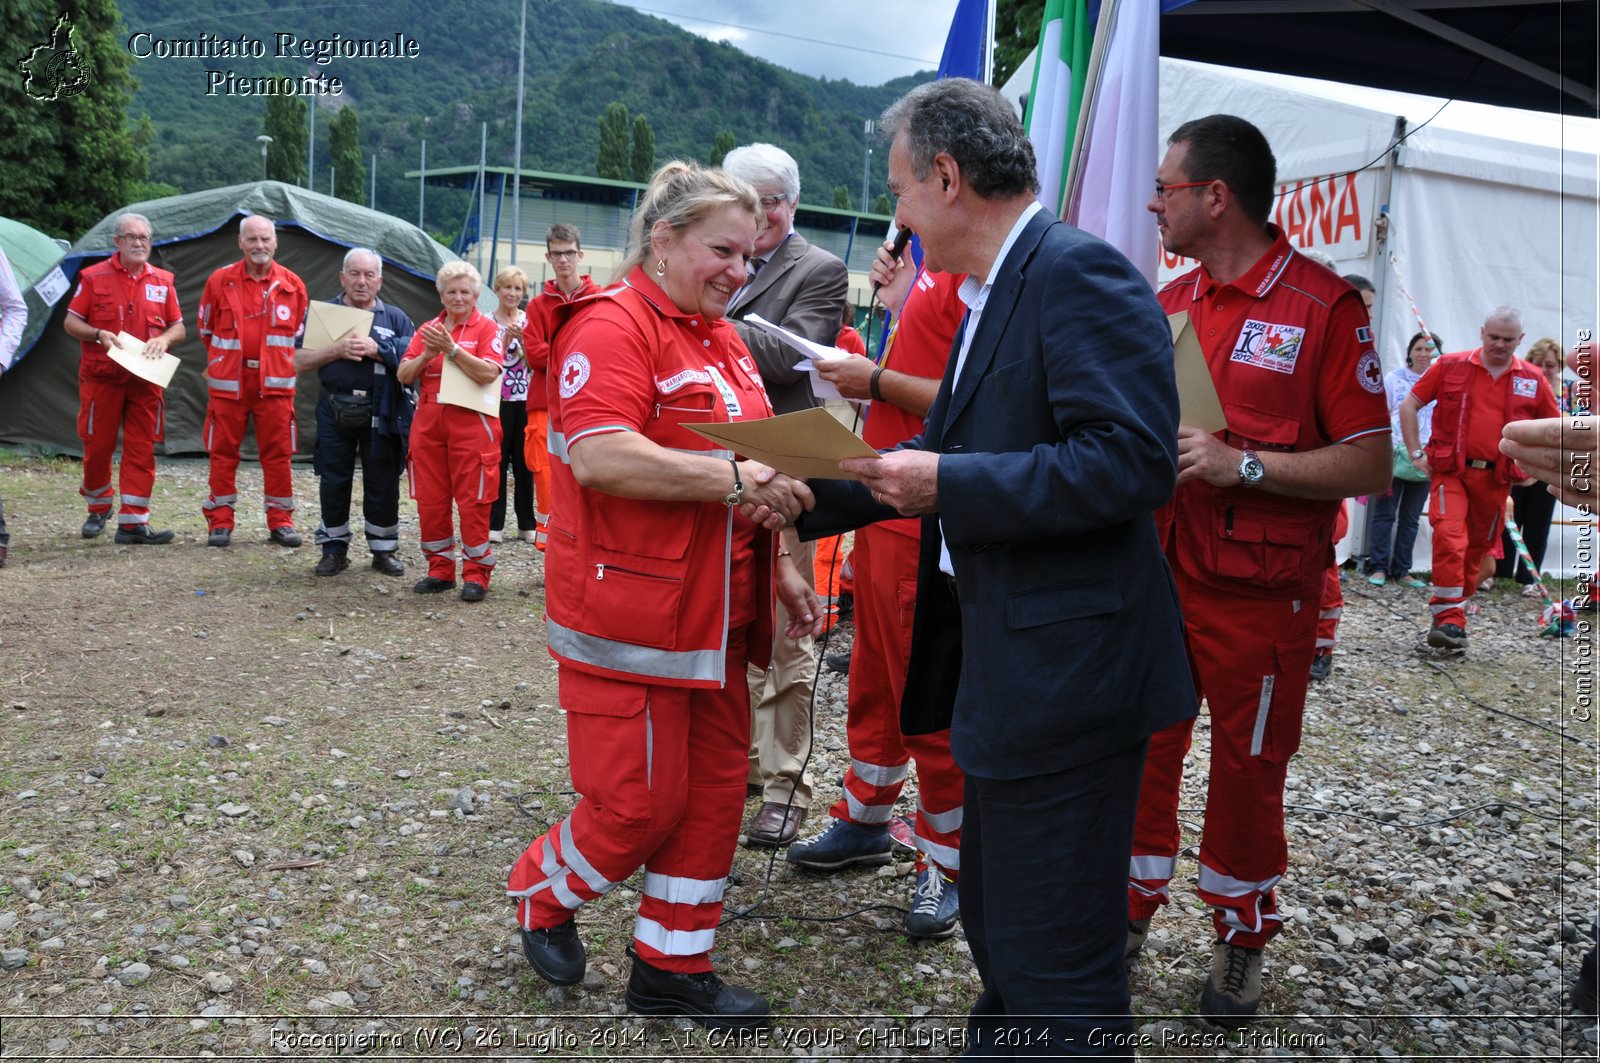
(1047,631)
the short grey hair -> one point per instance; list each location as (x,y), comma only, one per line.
(354,251)
(1508,314)
(459,268)
(759,164)
(250,217)
(973,124)
(124,218)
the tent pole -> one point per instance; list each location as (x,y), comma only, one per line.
(1380,282)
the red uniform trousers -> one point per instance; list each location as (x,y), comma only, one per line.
(1332,609)
(536,456)
(661,772)
(885,564)
(135,406)
(832,571)
(1251,662)
(454,456)
(275,443)
(1466,512)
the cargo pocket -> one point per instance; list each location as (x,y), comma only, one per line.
(489,476)
(1276,734)
(1266,548)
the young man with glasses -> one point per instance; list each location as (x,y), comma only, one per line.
(564,251)
(123,294)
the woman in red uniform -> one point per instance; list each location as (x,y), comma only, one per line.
(658,591)
(455,451)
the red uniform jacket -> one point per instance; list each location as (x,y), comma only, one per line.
(643,589)
(223,312)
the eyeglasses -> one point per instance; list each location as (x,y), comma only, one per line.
(768,202)
(1162,190)
(132,239)
(557,256)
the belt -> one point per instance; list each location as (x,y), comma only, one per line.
(1474,463)
(357,392)
(252,363)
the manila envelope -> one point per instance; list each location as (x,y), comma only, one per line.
(457,389)
(1198,404)
(129,353)
(806,445)
(328,323)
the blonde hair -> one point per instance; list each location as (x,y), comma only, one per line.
(681,194)
(451,270)
(510,275)
(1546,346)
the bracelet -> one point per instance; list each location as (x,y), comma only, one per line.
(735,496)
(872,384)
(785,553)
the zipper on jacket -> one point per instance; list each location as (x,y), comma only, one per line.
(599,571)
(1227,522)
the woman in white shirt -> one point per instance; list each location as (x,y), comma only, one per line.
(1395,515)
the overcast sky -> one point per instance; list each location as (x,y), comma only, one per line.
(867,41)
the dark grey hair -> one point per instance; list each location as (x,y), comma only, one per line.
(973,124)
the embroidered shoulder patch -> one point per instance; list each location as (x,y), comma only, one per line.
(1268,345)
(1369,372)
(574,374)
(1524,387)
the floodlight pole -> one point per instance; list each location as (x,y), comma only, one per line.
(263,140)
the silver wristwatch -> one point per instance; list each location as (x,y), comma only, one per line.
(1251,471)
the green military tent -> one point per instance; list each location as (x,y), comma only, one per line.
(196,234)
(34,259)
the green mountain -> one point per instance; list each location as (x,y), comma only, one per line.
(457,69)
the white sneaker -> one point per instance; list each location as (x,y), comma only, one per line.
(496,537)
(527,535)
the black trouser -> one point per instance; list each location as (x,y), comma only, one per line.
(1535,508)
(1044,902)
(513,426)
(5,536)
(334,459)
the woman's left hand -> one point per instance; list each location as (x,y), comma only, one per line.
(799,601)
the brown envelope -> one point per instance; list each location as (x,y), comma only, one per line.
(807,445)
(1198,404)
(328,323)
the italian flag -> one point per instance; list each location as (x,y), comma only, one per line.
(1065,37)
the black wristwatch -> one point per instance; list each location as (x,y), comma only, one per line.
(735,496)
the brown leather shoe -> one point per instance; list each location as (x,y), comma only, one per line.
(772,829)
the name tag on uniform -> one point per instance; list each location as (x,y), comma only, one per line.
(155,293)
(729,399)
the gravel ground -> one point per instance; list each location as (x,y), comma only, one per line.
(251,813)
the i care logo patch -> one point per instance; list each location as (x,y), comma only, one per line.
(1268,345)
(155,293)
(1524,387)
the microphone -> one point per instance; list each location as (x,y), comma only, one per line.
(901,240)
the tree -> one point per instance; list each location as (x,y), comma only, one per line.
(644,150)
(1016,31)
(285,123)
(881,205)
(349,174)
(841,197)
(719,151)
(69,156)
(612,158)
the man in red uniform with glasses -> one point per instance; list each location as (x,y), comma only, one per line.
(1249,530)
(250,314)
(123,294)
